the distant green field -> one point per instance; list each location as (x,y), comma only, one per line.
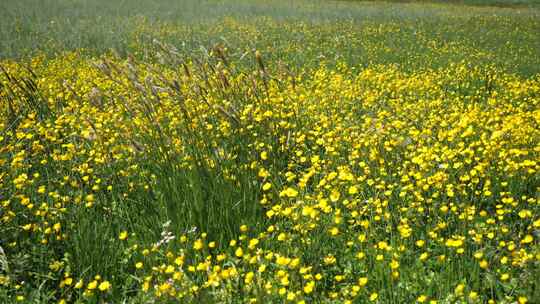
(408,34)
(269,151)
(496,3)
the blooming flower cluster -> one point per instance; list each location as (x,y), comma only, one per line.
(330,185)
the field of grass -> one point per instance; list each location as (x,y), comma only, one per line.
(269,151)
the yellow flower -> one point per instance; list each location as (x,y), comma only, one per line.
(280,260)
(290,296)
(57,227)
(459,289)
(527,239)
(289,192)
(454,243)
(329,259)
(104,286)
(164,287)
(308,288)
(198,244)
(249,277)
(373,296)
(362,281)
(239,252)
(123,235)
(334,196)
(92,285)
(382,245)
(484,264)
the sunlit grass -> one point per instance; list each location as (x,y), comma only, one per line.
(301,33)
(267,152)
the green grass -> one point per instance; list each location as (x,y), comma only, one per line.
(453,51)
(494,3)
(301,33)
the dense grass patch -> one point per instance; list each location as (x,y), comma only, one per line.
(272,152)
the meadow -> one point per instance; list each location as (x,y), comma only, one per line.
(269,151)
